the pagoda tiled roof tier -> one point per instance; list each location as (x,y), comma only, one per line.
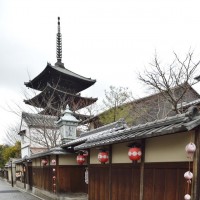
(62,77)
(50,99)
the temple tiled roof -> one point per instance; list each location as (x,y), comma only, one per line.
(50,99)
(179,123)
(66,79)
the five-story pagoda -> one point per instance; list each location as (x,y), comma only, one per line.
(59,86)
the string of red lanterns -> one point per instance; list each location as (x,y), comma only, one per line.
(190,150)
(53,161)
(54,180)
(134,154)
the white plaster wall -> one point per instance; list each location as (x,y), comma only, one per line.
(11,175)
(169,148)
(67,159)
(25,151)
(36,162)
(94,156)
(120,153)
(26,139)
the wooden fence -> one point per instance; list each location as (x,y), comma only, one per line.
(68,178)
(162,181)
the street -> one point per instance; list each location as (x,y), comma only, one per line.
(7,192)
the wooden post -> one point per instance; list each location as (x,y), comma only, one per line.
(12,173)
(88,164)
(110,172)
(196,167)
(57,174)
(142,169)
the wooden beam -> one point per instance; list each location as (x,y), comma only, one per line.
(88,165)
(57,174)
(110,172)
(142,169)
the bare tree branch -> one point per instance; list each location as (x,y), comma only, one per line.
(179,74)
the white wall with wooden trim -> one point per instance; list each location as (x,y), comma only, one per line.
(69,159)
(36,162)
(120,153)
(168,148)
(94,156)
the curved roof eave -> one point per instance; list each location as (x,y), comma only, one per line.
(63,71)
(37,100)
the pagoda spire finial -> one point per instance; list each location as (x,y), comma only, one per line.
(59,47)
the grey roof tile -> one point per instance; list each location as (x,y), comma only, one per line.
(53,151)
(39,121)
(96,133)
(169,125)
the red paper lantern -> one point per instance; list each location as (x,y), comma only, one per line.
(134,153)
(103,157)
(44,162)
(80,159)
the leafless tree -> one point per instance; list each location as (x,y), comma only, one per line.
(90,112)
(178,75)
(116,97)
(11,136)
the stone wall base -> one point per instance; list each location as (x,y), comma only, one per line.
(20,185)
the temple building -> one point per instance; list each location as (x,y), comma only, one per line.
(59,87)
(56,88)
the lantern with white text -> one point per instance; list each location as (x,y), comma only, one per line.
(134,153)
(103,157)
(80,159)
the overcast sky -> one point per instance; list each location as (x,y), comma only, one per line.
(107,40)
